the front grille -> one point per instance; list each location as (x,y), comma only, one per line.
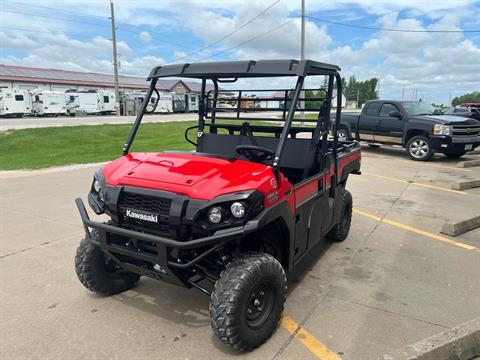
(150,204)
(466,130)
(146,205)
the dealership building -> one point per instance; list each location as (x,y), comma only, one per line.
(30,78)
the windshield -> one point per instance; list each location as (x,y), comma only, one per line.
(418,108)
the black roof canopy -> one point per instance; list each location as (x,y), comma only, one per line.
(245,68)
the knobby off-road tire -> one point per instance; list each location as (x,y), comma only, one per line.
(97,273)
(248,300)
(340,231)
(419,148)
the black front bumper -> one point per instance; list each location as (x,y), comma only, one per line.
(440,143)
(163,267)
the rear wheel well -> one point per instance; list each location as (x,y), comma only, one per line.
(272,239)
(414,132)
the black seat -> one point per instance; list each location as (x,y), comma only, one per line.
(299,158)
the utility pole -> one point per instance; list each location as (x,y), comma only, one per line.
(403,92)
(115,62)
(358,98)
(378,87)
(302,56)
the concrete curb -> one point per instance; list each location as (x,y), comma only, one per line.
(460,227)
(459,343)
(465,185)
(468,163)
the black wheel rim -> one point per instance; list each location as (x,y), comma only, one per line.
(260,304)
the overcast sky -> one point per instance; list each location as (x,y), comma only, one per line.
(75,35)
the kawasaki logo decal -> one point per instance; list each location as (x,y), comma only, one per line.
(140,216)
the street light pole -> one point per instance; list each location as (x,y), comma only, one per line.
(115,62)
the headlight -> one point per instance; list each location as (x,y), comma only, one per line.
(96,186)
(215,215)
(96,196)
(439,129)
(238,210)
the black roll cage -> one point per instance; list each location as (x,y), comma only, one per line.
(231,71)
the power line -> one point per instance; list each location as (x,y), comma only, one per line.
(56,9)
(84,22)
(250,40)
(54,17)
(230,33)
(390,29)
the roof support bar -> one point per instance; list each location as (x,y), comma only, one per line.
(138,120)
(288,124)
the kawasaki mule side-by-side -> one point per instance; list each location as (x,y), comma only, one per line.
(232,217)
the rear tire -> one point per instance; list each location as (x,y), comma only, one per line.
(419,148)
(248,300)
(97,273)
(454,154)
(340,231)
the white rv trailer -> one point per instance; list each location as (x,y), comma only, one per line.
(82,101)
(13,102)
(106,101)
(192,102)
(164,105)
(45,102)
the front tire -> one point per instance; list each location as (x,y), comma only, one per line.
(419,148)
(248,300)
(340,231)
(99,274)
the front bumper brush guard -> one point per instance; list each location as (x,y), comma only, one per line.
(218,239)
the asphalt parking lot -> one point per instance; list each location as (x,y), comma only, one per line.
(394,281)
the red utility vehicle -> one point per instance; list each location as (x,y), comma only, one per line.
(232,217)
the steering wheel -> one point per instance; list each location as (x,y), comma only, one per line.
(255,153)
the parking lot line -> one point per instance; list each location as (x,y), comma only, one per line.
(308,340)
(415,230)
(422,164)
(417,183)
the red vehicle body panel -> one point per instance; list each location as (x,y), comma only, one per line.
(196,176)
(204,178)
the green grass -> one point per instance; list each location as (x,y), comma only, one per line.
(54,146)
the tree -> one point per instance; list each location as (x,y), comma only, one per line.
(364,90)
(466,98)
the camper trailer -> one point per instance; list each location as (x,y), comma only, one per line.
(179,103)
(165,104)
(13,102)
(45,102)
(192,102)
(106,101)
(81,102)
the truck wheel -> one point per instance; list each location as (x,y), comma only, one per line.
(419,148)
(99,274)
(343,135)
(248,300)
(454,154)
(340,231)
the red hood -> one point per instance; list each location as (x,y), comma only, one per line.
(199,177)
